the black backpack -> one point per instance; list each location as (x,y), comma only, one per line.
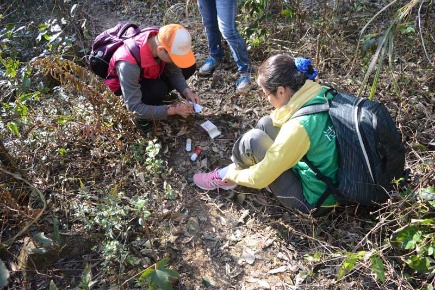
(371,152)
(107,42)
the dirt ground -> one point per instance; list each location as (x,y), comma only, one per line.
(243,238)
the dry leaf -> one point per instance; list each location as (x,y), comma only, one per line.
(247,256)
(263,284)
(281,269)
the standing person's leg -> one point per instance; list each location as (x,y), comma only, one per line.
(227,13)
(207,8)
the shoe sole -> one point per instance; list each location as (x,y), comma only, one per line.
(244,90)
(222,187)
(203,74)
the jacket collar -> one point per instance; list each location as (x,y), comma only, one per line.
(308,91)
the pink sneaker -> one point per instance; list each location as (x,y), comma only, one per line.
(211,181)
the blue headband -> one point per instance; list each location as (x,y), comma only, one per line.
(302,65)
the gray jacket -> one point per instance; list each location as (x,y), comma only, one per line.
(129,73)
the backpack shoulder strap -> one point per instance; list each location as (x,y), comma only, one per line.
(312,109)
(330,188)
(132,46)
(125,27)
(150,28)
(317,108)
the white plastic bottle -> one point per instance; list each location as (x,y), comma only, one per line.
(188,144)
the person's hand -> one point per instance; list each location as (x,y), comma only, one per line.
(182,109)
(191,96)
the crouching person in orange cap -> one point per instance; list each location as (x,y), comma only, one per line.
(166,61)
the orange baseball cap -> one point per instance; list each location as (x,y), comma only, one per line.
(176,40)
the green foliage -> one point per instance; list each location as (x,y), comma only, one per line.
(12,40)
(428,194)
(11,67)
(254,33)
(385,44)
(378,267)
(313,258)
(52,35)
(369,43)
(352,259)
(63,120)
(349,263)
(152,163)
(169,191)
(419,238)
(206,282)
(113,216)
(19,89)
(413,243)
(13,127)
(52,285)
(86,282)
(56,232)
(158,276)
(145,152)
(62,151)
(18,93)
(289,13)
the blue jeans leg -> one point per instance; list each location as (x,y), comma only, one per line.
(209,15)
(222,18)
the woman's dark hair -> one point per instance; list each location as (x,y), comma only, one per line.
(280,70)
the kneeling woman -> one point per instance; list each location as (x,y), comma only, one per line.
(270,155)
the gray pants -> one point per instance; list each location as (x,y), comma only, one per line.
(250,149)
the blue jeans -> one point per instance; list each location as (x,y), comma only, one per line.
(251,148)
(219,20)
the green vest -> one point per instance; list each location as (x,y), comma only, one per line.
(323,153)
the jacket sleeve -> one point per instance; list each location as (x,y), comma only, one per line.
(291,144)
(129,79)
(176,77)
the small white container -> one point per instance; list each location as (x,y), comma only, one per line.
(188,144)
